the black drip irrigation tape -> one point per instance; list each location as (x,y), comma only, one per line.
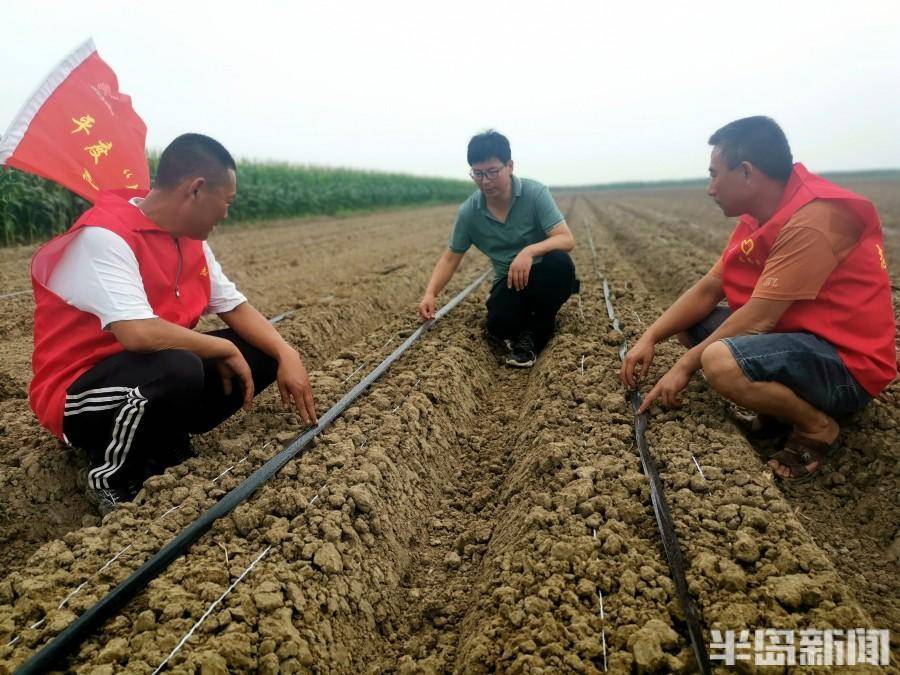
(76,632)
(669,538)
(657,493)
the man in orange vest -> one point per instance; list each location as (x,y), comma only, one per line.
(808,333)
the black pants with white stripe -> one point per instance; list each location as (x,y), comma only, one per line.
(131,408)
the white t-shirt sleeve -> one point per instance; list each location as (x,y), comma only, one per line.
(223,294)
(99,274)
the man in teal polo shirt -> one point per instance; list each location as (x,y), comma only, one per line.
(514,222)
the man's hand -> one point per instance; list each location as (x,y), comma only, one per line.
(519,270)
(293,383)
(668,388)
(427,307)
(641,355)
(232,366)
(443,271)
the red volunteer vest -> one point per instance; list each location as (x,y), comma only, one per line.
(854,310)
(68,341)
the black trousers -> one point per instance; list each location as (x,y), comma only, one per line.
(134,408)
(534,308)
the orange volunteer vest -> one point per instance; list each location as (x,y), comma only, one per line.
(853,310)
(68,341)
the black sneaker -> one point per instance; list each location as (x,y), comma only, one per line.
(521,352)
(180,452)
(109,499)
(498,342)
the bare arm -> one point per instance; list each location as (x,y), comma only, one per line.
(558,239)
(693,306)
(759,315)
(253,327)
(443,272)
(293,380)
(155,335)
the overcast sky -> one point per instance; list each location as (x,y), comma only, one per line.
(587,92)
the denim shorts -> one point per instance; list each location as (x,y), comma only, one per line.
(803,362)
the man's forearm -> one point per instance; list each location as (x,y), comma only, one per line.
(441,275)
(691,308)
(252,326)
(757,316)
(155,335)
(559,242)
(292,378)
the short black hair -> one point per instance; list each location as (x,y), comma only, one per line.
(486,145)
(193,156)
(757,140)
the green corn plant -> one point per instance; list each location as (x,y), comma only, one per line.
(33,209)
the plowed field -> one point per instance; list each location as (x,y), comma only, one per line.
(460,516)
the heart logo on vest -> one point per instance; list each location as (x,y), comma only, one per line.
(881,257)
(747,246)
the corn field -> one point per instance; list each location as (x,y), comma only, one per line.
(33,209)
(284,190)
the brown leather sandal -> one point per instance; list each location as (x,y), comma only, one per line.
(799,452)
(760,427)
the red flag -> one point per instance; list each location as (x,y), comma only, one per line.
(79,130)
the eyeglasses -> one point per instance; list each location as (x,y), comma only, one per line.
(490,174)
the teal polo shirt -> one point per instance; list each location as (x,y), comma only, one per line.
(532,214)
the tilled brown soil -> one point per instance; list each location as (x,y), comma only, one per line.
(343,277)
(461,516)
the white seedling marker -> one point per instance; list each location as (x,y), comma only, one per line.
(603,638)
(602,629)
(697,464)
(187,636)
(354,372)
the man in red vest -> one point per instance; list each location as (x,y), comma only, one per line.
(118,369)
(808,333)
